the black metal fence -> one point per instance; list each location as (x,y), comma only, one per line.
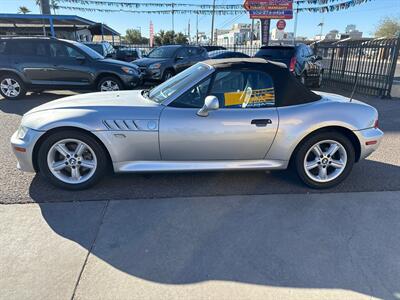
(369,66)
(366,66)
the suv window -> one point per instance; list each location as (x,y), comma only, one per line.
(183,52)
(243,89)
(28,48)
(61,50)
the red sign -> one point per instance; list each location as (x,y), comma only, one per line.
(269,9)
(281,24)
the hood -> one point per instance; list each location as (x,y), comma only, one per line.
(118,63)
(97,100)
(147,61)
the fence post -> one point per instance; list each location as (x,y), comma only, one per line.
(393,67)
(331,64)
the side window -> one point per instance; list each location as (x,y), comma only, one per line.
(193,98)
(243,89)
(63,51)
(28,48)
(183,52)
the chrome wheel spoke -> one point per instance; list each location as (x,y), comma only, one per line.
(337,164)
(57,166)
(87,164)
(317,150)
(79,149)
(63,150)
(75,173)
(332,149)
(322,173)
(312,164)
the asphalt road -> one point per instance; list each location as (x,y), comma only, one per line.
(380,172)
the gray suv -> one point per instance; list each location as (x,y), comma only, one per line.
(164,62)
(37,64)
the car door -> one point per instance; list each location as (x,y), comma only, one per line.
(182,60)
(31,58)
(72,67)
(243,128)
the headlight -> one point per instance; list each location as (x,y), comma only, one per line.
(129,71)
(155,66)
(22,131)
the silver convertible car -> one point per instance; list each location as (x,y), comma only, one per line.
(229,114)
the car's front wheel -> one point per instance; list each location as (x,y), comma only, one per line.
(325,159)
(72,160)
(109,84)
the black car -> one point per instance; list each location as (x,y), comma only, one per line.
(213,48)
(36,64)
(164,62)
(103,48)
(300,60)
(128,54)
(218,54)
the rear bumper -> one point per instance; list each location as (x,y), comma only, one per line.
(23,149)
(370,140)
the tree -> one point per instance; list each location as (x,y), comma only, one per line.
(388,27)
(54,5)
(169,37)
(23,10)
(134,36)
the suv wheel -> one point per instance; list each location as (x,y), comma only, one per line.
(167,75)
(12,87)
(325,159)
(72,160)
(109,84)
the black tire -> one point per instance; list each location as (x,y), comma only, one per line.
(102,159)
(167,74)
(308,143)
(13,78)
(115,81)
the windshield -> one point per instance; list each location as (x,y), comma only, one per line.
(96,47)
(179,82)
(93,54)
(162,52)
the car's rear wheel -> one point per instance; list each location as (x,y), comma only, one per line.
(12,87)
(325,159)
(109,84)
(72,160)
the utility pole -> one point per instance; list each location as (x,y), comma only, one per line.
(296,16)
(45,7)
(172,13)
(189,30)
(252,32)
(197,28)
(212,23)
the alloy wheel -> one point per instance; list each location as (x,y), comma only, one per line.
(72,161)
(10,87)
(108,86)
(325,161)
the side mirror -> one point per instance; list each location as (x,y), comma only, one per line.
(210,103)
(81,59)
(318,57)
(178,58)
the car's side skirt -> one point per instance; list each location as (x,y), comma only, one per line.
(180,166)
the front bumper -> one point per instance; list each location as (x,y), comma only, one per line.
(23,149)
(131,81)
(151,74)
(370,140)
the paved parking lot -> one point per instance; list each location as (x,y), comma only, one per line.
(380,172)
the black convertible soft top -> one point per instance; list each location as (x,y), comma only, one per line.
(288,90)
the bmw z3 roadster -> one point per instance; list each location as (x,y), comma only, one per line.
(229,114)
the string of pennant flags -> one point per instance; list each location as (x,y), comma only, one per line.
(200,9)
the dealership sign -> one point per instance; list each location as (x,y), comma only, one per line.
(281,24)
(269,9)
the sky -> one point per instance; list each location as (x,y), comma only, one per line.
(365,16)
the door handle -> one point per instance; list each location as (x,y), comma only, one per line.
(261,122)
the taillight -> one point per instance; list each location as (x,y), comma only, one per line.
(292,64)
(376,124)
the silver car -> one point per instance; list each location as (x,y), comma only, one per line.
(229,114)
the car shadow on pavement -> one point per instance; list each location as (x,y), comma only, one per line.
(296,242)
(367,175)
(21,106)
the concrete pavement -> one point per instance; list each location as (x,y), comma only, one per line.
(297,246)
